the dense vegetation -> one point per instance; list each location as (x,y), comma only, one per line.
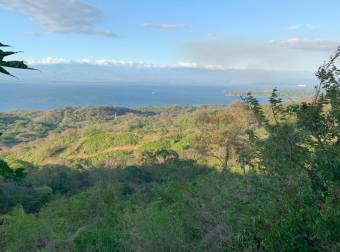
(243,177)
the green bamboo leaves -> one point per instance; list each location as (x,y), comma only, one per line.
(12,64)
(2,45)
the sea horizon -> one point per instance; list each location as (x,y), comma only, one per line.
(53,96)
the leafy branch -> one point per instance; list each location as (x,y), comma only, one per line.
(5,170)
(11,64)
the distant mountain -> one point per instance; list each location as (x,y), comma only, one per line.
(116,74)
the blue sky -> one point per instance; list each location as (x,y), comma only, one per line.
(244,34)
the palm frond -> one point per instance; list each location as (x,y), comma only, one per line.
(12,64)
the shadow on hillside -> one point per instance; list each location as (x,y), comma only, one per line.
(47,183)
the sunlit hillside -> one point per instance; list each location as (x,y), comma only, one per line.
(169,126)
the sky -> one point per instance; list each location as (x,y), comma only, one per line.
(214,35)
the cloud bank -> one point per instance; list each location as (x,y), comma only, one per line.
(163,26)
(311,44)
(62,16)
(64,71)
(300,54)
(124,63)
(307,27)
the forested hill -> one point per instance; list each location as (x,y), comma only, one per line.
(156,179)
(24,126)
(244,177)
(93,136)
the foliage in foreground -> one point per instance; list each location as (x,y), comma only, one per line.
(302,139)
(11,64)
(185,191)
(5,170)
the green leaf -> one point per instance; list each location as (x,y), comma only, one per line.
(4,54)
(3,45)
(14,64)
(3,71)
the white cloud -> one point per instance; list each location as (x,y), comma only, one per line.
(99,62)
(294,27)
(194,65)
(48,61)
(307,27)
(58,70)
(214,67)
(123,63)
(162,26)
(291,54)
(187,65)
(105,62)
(62,16)
(311,44)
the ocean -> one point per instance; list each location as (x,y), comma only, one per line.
(51,96)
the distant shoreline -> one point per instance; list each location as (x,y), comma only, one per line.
(49,97)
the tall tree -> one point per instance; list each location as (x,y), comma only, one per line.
(304,136)
(301,148)
(223,135)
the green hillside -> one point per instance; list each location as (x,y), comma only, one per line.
(243,177)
